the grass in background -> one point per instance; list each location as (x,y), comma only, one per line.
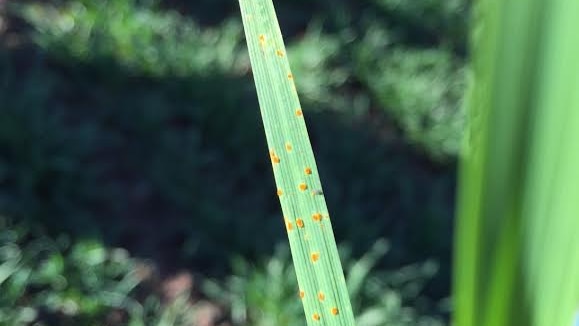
(47,281)
(422,91)
(93,130)
(136,37)
(263,294)
(421,88)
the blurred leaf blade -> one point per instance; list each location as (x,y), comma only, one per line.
(517,261)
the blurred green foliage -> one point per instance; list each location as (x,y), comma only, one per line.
(135,122)
(438,21)
(53,281)
(265,294)
(135,37)
(422,88)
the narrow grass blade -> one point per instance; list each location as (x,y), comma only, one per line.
(315,255)
(517,243)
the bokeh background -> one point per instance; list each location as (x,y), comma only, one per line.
(135,187)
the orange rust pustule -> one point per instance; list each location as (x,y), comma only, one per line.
(300,223)
(315,256)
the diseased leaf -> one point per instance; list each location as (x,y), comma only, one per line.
(322,287)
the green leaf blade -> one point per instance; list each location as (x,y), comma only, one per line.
(314,251)
(517,253)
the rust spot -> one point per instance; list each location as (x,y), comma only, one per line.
(274,158)
(315,256)
(289,225)
(300,223)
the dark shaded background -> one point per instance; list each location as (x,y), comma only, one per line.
(135,124)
